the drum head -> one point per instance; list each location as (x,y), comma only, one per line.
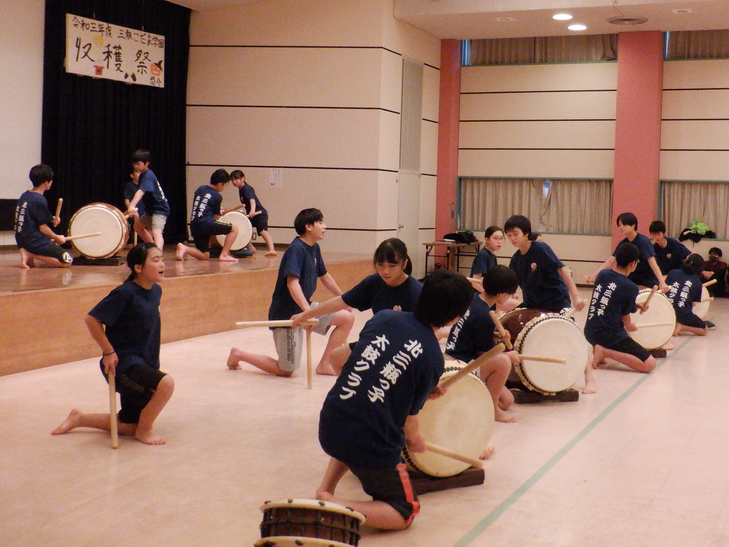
(702,308)
(99,217)
(245,230)
(557,337)
(462,420)
(660,310)
(515,320)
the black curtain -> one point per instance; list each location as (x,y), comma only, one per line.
(91,126)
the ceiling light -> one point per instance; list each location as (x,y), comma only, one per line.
(562,17)
(577,27)
(627,20)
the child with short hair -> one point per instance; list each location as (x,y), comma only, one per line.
(473,335)
(204,223)
(608,319)
(126,326)
(254,210)
(685,293)
(371,412)
(301,266)
(715,270)
(670,252)
(156,207)
(34,237)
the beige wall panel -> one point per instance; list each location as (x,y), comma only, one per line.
(711,166)
(695,135)
(389,77)
(333,77)
(696,74)
(293,137)
(696,103)
(384,217)
(429,148)
(569,134)
(292,22)
(428,185)
(353,241)
(536,163)
(411,42)
(577,76)
(431,93)
(597,105)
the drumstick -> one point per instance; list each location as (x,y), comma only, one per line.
(82,236)
(473,365)
(570,313)
(274,324)
(708,283)
(60,204)
(499,327)
(112,411)
(653,291)
(309,364)
(644,325)
(235,208)
(447,452)
(542,359)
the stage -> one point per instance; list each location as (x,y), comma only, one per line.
(43,308)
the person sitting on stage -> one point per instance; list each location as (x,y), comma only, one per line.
(254,210)
(485,259)
(608,318)
(670,253)
(34,237)
(546,283)
(473,335)
(126,326)
(301,266)
(371,413)
(204,223)
(685,293)
(715,269)
(156,207)
(647,273)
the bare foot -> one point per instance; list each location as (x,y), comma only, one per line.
(501,416)
(487,453)
(590,388)
(227,258)
(271,253)
(325,370)
(252,249)
(324,496)
(233,359)
(180,252)
(598,356)
(26,260)
(669,346)
(149,437)
(69,423)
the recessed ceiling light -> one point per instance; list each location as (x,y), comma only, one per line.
(505,19)
(562,17)
(627,20)
(577,27)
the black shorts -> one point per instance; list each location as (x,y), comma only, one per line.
(260,223)
(135,387)
(631,347)
(391,485)
(48,248)
(692,320)
(202,237)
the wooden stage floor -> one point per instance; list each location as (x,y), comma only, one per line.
(42,309)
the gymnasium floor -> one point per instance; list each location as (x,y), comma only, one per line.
(640,463)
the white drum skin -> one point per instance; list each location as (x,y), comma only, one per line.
(660,311)
(99,217)
(245,230)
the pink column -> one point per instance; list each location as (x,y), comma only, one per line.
(448,118)
(638,127)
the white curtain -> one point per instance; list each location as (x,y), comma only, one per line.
(486,202)
(698,44)
(580,207)
(685,202)
(546,49)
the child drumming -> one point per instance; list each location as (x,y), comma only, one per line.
(371,413)
(126,326)
(204,223)
(546,283)
(156,208)
(647,273)
(473,335)
(300,268)
(34,237)
(670,253)
(608,319)
(254,210)
(685,293)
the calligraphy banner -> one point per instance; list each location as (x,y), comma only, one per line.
(103,50)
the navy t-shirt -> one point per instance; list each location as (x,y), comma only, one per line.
(129,190)
(643,274)
(205,206)
(473,334)
(303,261)
(483,262)
(247,193)
(30,213)
(155,202)
(685,289)
(541,285)
(131,316)
(671,256)
(393,368)
(612,298)
(373,293)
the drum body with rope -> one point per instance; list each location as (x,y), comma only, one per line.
(462,420)
(99,217)
(245,230)
(309,522)
(701,309)
(660,318)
